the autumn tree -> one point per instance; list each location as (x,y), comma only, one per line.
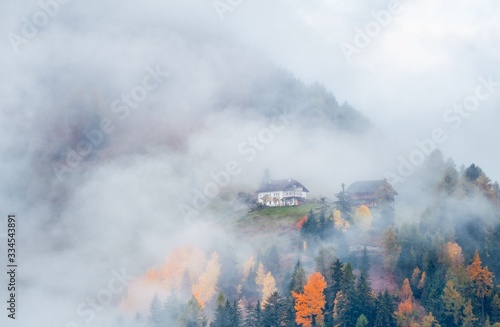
(430,321)
(452,255)
(363,217)
(205,288)
(392,249)
(453,302)
(482,280)
(468,318)
(310,304)
(268,287)
(297,282)
(405,307)
(339,223)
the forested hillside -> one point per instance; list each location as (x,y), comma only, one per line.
(341,265)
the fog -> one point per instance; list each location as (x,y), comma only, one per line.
(166,95)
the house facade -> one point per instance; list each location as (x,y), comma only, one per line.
(280,193)
(371,193)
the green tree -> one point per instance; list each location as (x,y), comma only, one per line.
(495,309)
(156,313)
(310,226)
(364,264)
(362,321)
(193,315)
(254,316)
(384,310)
(453,302)
(297,283)
(342,315)
(274,314)
(344,204)
(472,173)
(221,316)
(363,301)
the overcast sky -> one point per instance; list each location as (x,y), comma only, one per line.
(420,59)
(428,58)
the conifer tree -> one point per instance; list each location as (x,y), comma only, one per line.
(274,314)
(384,311)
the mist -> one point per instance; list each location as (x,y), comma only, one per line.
(119,118)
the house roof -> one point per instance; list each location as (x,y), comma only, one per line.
(280,185)
(369,187)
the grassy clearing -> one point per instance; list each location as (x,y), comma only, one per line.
(277,215)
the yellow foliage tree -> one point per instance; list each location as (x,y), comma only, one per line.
(363,217)
(268,288)
(260,275)
(310,304)
(339,222)
(248,267)
(452,255)
(205,288)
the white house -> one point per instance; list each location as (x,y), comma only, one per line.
(283,192)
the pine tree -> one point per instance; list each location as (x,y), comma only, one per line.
(495,309)
(362,321)
(363,302)
(274,314)
(310,228)
(384,311)
(192,315)
(254,316)
(221,312)
(344,204)
(324,262)
(156,313)
(348,281)
(365,261)
(234,314)
(297,282)
(341,314)
(337,278)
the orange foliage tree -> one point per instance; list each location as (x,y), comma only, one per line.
(482,279)
(452,255)
(405,308)
(310,304)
